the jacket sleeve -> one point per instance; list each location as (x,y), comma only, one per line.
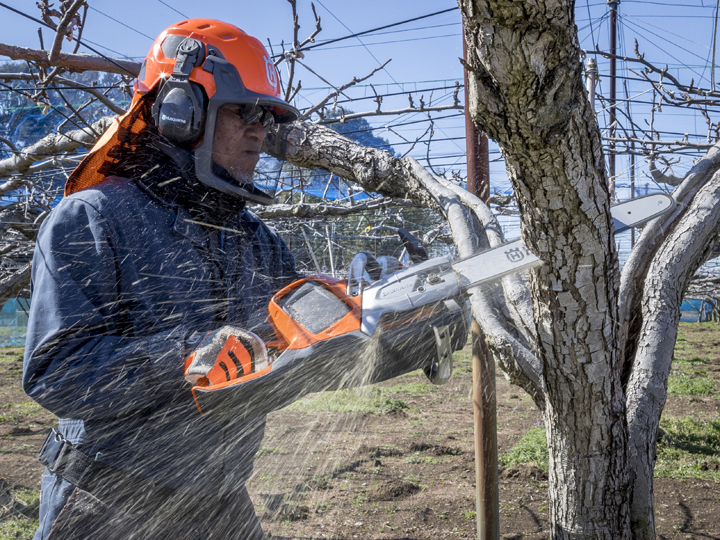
(82,359)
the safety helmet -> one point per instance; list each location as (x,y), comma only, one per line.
(195,67)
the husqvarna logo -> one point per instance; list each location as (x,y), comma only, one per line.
(271,72)
(176,120)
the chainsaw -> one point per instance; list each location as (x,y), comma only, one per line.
(383,321)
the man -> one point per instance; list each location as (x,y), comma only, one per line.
(150,250)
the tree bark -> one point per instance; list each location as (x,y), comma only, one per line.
(670,272)
(526,93)
(10,286)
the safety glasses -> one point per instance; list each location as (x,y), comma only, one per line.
(251,114)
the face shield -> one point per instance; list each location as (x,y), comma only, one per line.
(233,104)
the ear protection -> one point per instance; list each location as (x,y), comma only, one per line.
(180,107)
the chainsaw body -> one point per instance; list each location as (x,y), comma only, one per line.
(328,340)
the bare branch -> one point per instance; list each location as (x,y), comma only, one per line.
(51,145)
(72,62)
(10,286)
(307,113)
(322,209)
(395,112)
(102,98)
(660,177)
(9,144)
(663,72)
(62,30)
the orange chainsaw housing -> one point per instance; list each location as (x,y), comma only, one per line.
(292,335)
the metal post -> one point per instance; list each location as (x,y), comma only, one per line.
(483,365)
(612,4)
(632,186)
(591,70)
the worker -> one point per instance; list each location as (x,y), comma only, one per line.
(151,249)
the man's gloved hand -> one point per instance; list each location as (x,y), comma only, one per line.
(224,355)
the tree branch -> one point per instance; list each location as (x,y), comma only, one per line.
(72,62)
(48,146)
(102,98)
(10,286)
(322,209)
(61,30)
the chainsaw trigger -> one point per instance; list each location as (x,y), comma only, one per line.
(440,371)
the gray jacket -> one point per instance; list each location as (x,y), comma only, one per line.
(121,279)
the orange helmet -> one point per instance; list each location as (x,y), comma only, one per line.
(203,64)
(195,67)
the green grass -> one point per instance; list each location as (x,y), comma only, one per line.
(413,388)
(29,406)
(532,448)
(27,496)
(22,526)
(18,529)
(686,446)
(269,450)
(363,400)
(429,460)
(682,384)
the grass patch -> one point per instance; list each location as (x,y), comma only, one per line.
(682,384)
(688,447)
(428,460)
(692,362)
(27,496)
(269,451)
(412,388)
(532,448)
(29,406)
(363,400)
(18,529)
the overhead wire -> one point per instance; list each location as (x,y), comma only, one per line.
(174,9)
(121,23)
(356,34)
(379,63)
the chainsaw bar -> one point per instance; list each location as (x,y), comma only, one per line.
(442,278)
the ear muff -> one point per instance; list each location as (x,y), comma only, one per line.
(180,107)
(179,111)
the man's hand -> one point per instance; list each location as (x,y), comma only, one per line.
(224,355)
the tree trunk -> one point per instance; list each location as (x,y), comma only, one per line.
(670,272)
(526,93)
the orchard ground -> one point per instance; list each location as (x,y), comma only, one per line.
(395,461)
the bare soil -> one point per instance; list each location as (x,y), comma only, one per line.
(405,475)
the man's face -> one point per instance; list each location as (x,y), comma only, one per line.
(236,146)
